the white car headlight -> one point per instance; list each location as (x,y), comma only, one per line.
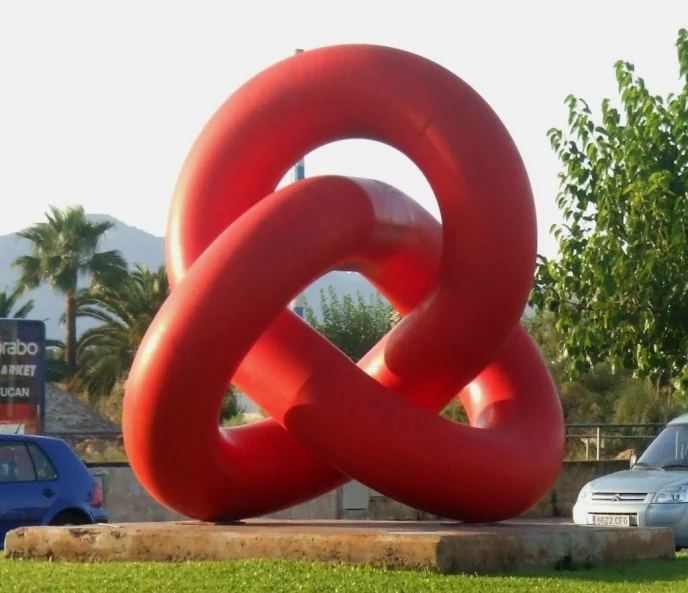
(673,494)
(585,493)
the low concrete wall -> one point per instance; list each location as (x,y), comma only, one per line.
(327,506)
(574,475)
(558,503)
(127,501)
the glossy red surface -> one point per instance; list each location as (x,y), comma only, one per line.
(238,251)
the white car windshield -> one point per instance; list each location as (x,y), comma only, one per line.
(669,450)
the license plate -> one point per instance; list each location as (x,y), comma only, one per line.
(612,520)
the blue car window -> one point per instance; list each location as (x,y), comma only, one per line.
(45,470)
(15,463)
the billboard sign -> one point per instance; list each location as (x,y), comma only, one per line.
(22,375)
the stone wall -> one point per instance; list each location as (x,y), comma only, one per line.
(558,503)
(574,475)
(326,507)
(127,501)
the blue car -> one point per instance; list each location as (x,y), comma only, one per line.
(43,482)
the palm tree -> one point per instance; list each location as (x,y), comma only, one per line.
(65,249)
(106,352)
(8,302)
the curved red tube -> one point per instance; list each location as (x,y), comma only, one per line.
(238,252)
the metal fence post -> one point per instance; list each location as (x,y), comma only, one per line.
(599,432)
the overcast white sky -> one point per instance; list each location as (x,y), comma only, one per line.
(100,101)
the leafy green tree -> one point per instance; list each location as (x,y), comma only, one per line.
(9,304)
(231,412)
(125,312)
(636,402)
(352,324)
(56,367)
(619,287)
(597,394)
(542,326)
(64,249)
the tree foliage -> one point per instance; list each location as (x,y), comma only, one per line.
(231,412)
(65,249)
(597,394)
(125,312)
(56,367)
(619,287)
(9,304)
(352,323)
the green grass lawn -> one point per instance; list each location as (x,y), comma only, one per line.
(244,577)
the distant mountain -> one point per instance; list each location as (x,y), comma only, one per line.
(136,246)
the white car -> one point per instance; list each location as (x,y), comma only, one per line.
(652,493)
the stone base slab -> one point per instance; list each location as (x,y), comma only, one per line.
(446,547)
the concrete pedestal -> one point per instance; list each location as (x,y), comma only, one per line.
(443,546)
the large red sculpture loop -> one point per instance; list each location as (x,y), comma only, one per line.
(238,251)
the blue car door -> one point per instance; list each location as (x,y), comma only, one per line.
(22,498)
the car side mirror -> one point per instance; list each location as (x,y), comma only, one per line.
(634,459)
